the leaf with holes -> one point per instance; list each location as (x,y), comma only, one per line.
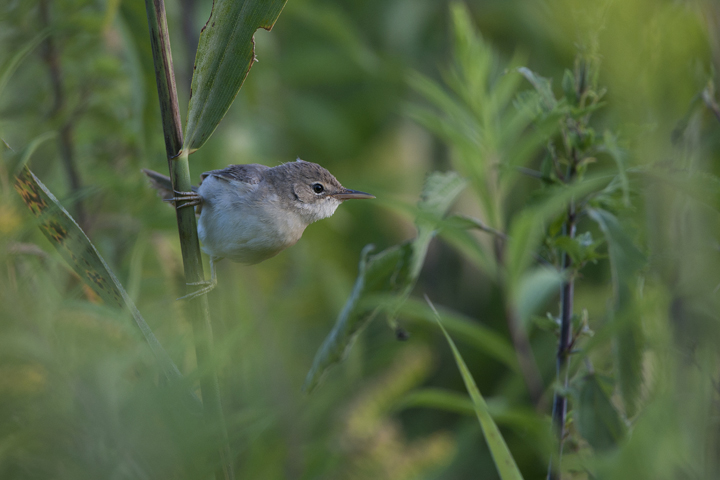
(225,53)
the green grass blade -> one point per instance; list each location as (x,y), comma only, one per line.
(471,331)
(439,399)
(504,461)
(19,56)
(77,249)
(225,53)
(524,420)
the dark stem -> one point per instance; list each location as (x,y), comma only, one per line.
(559,411)
(65,134)
(187,228)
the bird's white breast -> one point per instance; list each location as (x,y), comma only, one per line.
(243,222)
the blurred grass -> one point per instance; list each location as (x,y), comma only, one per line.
(79,400)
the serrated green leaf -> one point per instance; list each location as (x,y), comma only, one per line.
(527,228)
(473,59)
(394,270)
(440,192)
(475,117)
(438,96)
(597,420)
(77,249)
(504,461)
(225,53)
(542,85)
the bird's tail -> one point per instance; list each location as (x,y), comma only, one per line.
(162,184)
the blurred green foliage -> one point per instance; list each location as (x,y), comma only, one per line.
(381,93)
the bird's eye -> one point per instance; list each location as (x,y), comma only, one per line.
(318,188)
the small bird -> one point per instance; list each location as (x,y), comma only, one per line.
(249,213)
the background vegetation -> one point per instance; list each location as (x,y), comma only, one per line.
(622,148)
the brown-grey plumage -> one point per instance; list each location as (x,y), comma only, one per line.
(250,173)
(249,213)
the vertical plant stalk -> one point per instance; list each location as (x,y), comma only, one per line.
(65,132)
(198,310)
(559,411)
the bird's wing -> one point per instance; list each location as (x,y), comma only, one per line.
(250,173)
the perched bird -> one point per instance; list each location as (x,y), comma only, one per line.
(249,213)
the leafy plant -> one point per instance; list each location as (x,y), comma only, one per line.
(65,234)
(394,270)
(81,396)
(496,133)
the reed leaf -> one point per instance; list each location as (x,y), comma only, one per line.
(225,53)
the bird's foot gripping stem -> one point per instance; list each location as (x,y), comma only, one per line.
(208,285)
(190,199)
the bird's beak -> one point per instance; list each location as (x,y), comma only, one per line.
(349,194)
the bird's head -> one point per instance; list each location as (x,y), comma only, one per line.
(313,191)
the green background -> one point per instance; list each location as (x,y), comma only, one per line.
(79,394)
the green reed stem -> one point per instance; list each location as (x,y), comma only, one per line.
(197,308)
